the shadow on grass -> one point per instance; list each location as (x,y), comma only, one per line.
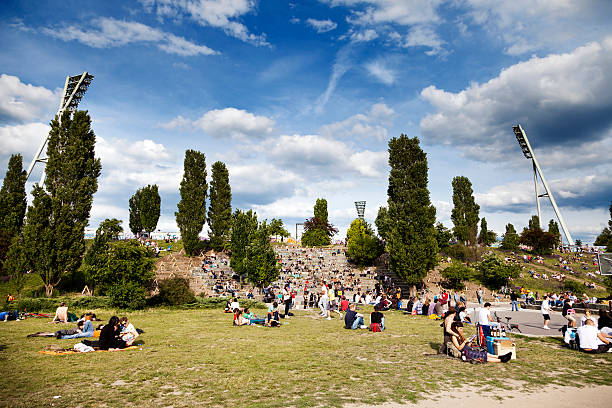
(435,345)
(3,347)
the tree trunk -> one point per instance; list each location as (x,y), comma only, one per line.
(48,290)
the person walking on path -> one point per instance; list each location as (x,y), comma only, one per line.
(545,308)
(479,295)
(514,300)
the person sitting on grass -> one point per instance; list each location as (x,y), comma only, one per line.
(128,331)
(352,319)
(377,320)
(460,348)
(273,319)
(110,336)
(592,340)
(239,319)
(61,314)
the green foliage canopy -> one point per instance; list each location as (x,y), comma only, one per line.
(220,209)
(494,273)
(465,211)
(191,214)
(244,226)
(510,239)
(260,259)
(363,245)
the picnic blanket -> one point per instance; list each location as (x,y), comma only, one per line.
(61,352)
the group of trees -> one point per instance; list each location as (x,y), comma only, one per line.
(252,254)
(605,238)
(542,242)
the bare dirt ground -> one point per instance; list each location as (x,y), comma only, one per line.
(553,396)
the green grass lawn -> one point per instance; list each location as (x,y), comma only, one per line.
(196,357)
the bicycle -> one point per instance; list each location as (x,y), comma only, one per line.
(507,326)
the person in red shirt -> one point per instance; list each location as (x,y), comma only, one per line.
(344,304)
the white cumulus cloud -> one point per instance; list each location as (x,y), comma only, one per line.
(20,102)
(321,26)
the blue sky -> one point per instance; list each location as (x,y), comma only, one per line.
(299,99)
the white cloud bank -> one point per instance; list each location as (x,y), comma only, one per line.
(109,32)
(20,102)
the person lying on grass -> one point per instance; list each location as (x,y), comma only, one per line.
(84,329)
(239,319)
(247,314)
(461,348)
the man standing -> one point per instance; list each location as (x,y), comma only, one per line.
(545,308)
(479,295)
(484,315)
(514,299)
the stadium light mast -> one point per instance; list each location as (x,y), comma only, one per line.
(521,137)
(360,206)
(74,89)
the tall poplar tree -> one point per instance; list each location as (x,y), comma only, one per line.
(191,214)
(55,225)
(244,226)
(510,240)
(150,204)
(411,235)
(220,209)
(553,228)
(320,209)
(465,213)
(12,205)
(135,223)
(486,237)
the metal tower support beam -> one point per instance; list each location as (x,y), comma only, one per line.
(535,182)
(74,89)
(528,151)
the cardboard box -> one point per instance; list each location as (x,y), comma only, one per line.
(500,350)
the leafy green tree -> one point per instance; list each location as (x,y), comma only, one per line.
(465,211)
(317,230)
(494,273)
(260,261)
(510,239)
(320,209)
(277,228)
(553,228)
(110,228)
(12,205)
(540,241)
(13,197)
(17,264)
(534,222)
(128,262)
(486,236)
(382,223)
(175,291)
(411,235)
(456,274)
(244,226)
(363,245)
(443,236)
(95,261)
(191,214)
(150,204)
(55,225)
(605,238)
(220,210)
(578,242)
(135,222)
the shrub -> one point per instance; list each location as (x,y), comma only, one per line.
(494,273)
(463,253)
(455,274)
(127,295)
(175,291)
(575,287)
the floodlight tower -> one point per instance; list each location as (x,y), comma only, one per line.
(360,206)
(74,89)
(521,137)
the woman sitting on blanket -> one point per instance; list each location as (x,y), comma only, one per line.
(459,347)
(109,336)
(128,331)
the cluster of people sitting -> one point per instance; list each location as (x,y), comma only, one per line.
(354,320)
(594,336)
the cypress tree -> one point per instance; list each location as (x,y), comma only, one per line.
(510,240)
(13,197)
(320,209)
(465,211)
(220,209)
(150,203)
(411,235)
(191,214)
(135,223)
(486,237)
(381,223)
(54,231)
(534,223)
(12,205)
(317,230)
(244,226)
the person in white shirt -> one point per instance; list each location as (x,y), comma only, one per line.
(234,305)
(592,340)
(545,309)
(484,315)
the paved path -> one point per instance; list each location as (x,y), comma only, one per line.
(529,321)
